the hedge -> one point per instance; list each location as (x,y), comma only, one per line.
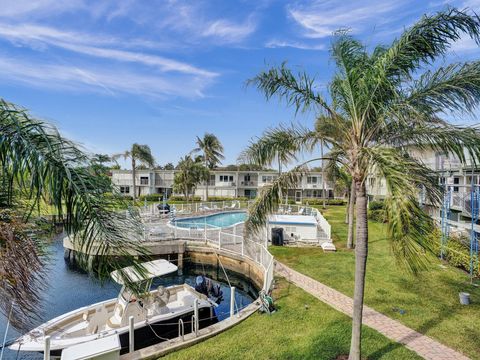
(182,198)
(377,215)
(227,198)
(455,253)
(151,197)
(332,202)
(376,205)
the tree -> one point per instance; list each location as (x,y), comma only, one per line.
(212,152)
(169,166)
(38,165)
(382,102)
(190,173)
(141,154)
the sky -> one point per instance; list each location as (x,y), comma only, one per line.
(111,73)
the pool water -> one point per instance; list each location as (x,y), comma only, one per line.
(212,221)
(69,288)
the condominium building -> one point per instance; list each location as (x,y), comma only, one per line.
(224,183)
(455,178)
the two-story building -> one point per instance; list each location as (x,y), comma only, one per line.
(224,183)
(456,180)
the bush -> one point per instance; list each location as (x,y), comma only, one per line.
(151,197)
(317,202)
(456,252)
(226,198)
(376,205)
(182,198)
(377,215)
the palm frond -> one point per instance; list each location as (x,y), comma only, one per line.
(426,40)
(44,165)
(408,225)
(269,198)
(455,87)
(297,90)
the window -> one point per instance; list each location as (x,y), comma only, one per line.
(246,177)
(230,178)
(143,180)
(125,189)
(456,181)
(312,179)
(268,179)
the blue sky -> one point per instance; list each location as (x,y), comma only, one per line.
(109,73)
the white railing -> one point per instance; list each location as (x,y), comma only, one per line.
(160,227)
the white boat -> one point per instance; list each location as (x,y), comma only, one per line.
(156,314)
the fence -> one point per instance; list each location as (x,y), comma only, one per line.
(178,225)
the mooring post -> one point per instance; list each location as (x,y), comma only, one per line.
(232,301)
(195,314)
(46,348)
(131,334)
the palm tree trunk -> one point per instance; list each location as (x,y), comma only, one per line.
(134,179)
(351,215)
(361,252)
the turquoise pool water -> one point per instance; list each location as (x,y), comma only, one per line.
(213,221)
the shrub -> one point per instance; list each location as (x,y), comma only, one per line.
(377,215)
(226,198)
(151,197)
(182,198)
(317,202)
(376,205)
(456,251)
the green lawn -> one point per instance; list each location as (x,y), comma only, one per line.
(303,328)
(430,301)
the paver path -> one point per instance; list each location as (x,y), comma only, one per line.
(423,345)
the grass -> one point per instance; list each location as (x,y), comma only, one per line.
(430,301)
(303,328)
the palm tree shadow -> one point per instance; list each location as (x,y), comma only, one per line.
(444,314)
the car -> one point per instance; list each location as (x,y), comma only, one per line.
(163,208)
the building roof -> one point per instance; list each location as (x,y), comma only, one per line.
(292,220)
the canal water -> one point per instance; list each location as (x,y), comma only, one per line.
(69,288)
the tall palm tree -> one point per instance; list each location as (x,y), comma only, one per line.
(212,152)
(383,102)
(139,155)
(38,165)
(190,172)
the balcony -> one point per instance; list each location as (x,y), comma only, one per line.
(248,183)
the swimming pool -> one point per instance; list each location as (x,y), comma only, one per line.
(220,220)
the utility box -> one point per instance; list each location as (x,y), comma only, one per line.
(107,348)
(277,236)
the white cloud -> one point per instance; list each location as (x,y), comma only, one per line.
(293,44)
(465,45)
(102,79)
(320,19)
(228,31)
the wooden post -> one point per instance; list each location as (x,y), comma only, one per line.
(131,334)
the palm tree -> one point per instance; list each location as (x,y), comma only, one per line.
(141,154)
(212,152)
(383,102)
(190,172)
(38,165)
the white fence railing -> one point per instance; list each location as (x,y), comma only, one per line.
(178,225)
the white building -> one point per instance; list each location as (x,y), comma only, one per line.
(453,176)
(224,183)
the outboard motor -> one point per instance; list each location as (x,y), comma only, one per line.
(201,285)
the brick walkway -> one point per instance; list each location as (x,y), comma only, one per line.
(423,345)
